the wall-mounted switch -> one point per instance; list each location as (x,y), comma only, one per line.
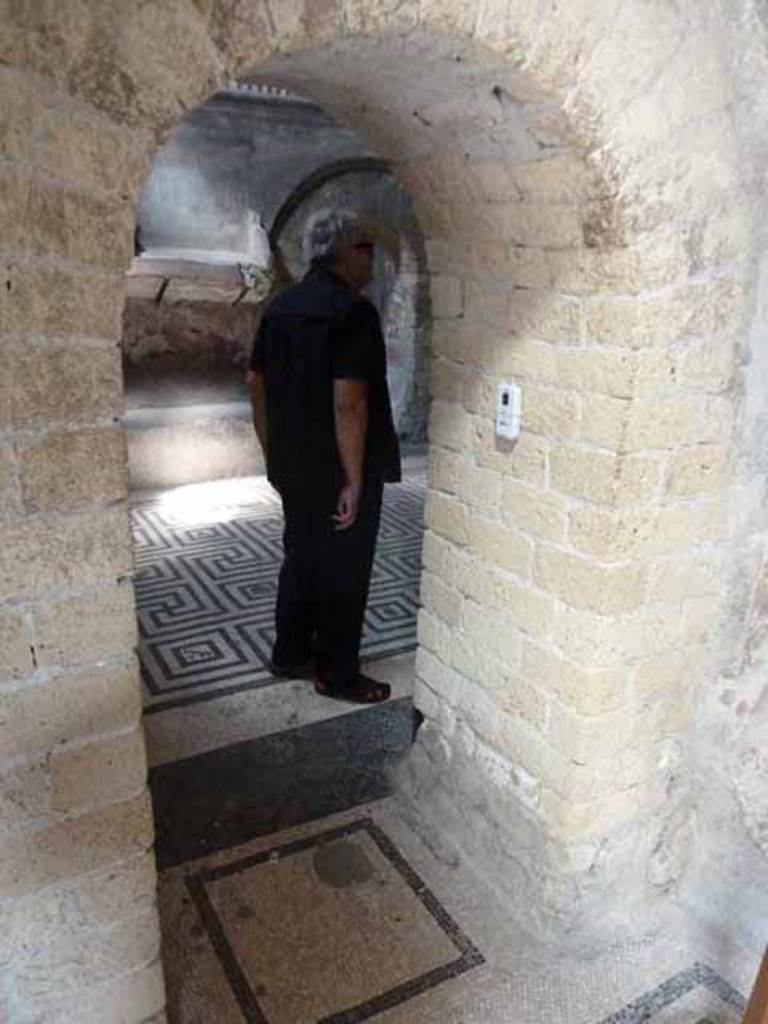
(508,411)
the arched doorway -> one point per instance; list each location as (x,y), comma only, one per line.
(574,274)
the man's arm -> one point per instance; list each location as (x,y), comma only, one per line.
(255,382)
(350,408)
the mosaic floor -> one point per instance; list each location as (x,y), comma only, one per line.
(207,561)
(291,890)
(350,918)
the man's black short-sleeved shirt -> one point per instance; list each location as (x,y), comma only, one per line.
(313,333)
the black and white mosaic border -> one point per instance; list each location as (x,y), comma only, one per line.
(469,955)
(674,988)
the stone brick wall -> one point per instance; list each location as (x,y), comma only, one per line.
(582,185)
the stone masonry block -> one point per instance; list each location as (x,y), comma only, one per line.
(593,692)
(662,673)
(64,629)
(699,470)
(561,43)
(672,580)
(68,709)
(449,425)
(530,610)
(505,25)
(655,261)
(444,257)
(480,488)
(708,364)
(439,676)
(495,182)
(596,642)
(447,517)
(541,224)
(42,217)
(579,820)
(448,342)
(608,371)
(91,151)
(700,309)
(434,551)
(522,357)
(10,492)
(630,533)
(588,739)
(63,470)
(50,300)
(133,80)
(476,391)
(550,412)
(583,583)
(525,701)
(492,632)
(24,797)
(529,268)
(458,16)
(604,421)
(475,662)
(42,922)
(636,322)
(445,469)
(90,960)
(524,459)
(712,519)
(499,546)
(512,695)
(562,178)
(604,478)
(719,308)
(434,634)
(446,382)
(75,846)
(700,618)
(473,578)
(73,551)
(487,301)
(447,296)
(511,738)
(102,772)
(16,659)
(135,995)
(425,698)
(656,374)
(440,599)
(544,315)
(543,514)
(57,383)
(667,424)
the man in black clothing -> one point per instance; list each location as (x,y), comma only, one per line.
(322,413)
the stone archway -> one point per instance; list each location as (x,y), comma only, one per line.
(570,587)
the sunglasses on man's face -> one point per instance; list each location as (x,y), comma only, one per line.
(364,247)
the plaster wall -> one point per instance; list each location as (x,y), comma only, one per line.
(232,156)
(592,236)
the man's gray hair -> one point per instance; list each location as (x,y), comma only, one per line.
(327,231)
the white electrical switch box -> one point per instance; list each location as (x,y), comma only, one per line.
(508,411)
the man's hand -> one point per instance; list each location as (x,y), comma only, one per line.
(347,506)
(350,407)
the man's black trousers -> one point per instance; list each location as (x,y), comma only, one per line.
(324,582)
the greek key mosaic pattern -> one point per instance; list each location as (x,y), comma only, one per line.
(207,563)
